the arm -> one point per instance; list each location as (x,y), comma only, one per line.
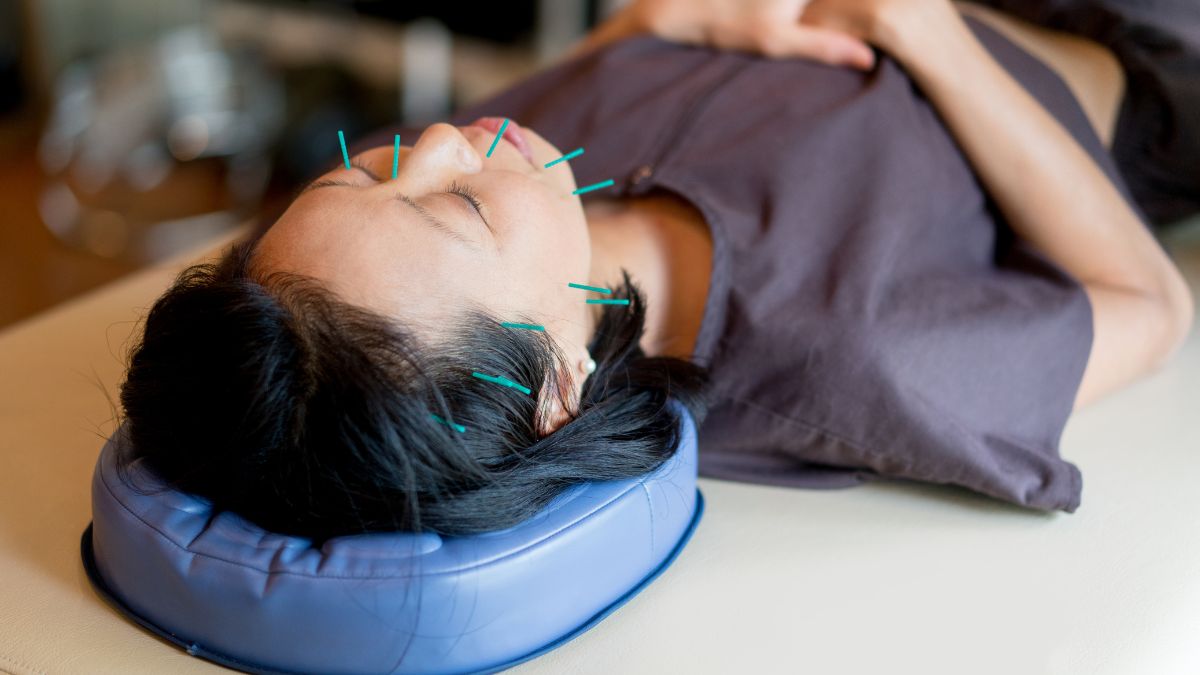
(1051,193)
(770,28)
(621,24)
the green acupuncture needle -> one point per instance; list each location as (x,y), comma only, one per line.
(499,135)
(590,288)
(396,157)
(457,427)
(594,186)
(526,326)
(565,158)
(502,381)
(342,142)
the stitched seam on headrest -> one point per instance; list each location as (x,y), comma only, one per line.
(481,565)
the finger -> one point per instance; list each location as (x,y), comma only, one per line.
(825,45)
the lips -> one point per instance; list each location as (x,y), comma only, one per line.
(512,134)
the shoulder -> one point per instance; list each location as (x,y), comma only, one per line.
(1087,68)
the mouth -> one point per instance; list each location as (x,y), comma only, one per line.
(512,134)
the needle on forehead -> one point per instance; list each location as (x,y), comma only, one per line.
(342,141)
(396,157)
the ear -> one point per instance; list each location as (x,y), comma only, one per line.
(554,415)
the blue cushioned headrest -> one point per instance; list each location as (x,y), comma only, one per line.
(231,592)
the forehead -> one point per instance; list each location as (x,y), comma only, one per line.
(370,249)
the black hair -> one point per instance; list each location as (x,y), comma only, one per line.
(310,416)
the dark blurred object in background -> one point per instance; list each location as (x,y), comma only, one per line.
(12,90)
(503,22)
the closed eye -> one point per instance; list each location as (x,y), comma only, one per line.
(461,190)
(469,195)
(363,168)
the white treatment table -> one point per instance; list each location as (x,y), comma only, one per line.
(883,578)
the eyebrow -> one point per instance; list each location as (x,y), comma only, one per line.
(328,182)
(432,220)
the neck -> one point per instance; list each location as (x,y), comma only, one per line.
(650,237)
(619,240)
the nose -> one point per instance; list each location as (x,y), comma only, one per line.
(441,154)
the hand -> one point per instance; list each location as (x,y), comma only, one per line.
(906,29)
(836,33)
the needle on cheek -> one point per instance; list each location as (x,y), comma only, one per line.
(593,186)
(499,134)
(567,157)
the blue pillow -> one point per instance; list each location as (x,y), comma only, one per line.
(231,592)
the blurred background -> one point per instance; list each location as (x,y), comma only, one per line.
(131,130)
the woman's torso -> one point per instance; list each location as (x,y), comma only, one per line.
(865,296)
(681,250)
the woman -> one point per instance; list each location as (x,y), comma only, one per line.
(847,265)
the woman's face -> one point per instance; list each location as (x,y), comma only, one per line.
(415,249)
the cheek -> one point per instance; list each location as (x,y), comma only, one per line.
(560,175)
(557,237)
(540,216)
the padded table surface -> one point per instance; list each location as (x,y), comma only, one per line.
(886,577)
